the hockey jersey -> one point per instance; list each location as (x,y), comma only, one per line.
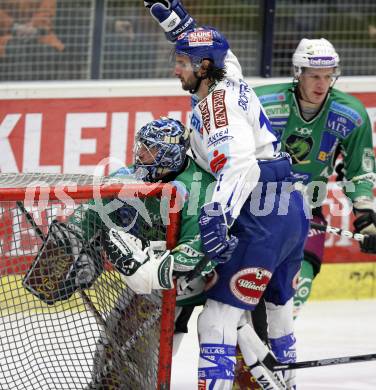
(342,125)
(229,133)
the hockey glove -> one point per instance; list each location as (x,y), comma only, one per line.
(171,16)
(124,251)
(66,262)
(214,233)
(366,224)
(144,271)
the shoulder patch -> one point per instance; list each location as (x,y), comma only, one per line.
(273,97)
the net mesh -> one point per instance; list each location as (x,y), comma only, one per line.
(102,336)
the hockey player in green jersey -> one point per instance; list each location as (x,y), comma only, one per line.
(317,123)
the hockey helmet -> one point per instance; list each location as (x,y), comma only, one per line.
(203,43)
(167,141)
(315,53)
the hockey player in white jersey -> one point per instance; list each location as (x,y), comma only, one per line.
(254,227)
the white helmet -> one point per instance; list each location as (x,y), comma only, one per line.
(315,53)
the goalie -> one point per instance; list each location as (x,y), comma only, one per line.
(160,155)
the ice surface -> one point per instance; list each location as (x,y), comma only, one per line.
(324,329)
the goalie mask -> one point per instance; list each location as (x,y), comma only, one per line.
(161,147)
(315,53)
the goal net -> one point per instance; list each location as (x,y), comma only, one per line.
(103,336)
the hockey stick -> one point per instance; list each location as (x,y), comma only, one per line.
(325,362)
(338,231)
(271,363)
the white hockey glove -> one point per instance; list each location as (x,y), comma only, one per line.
(142,268)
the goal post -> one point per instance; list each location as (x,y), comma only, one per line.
(103,336)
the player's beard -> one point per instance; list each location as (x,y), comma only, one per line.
(190,83)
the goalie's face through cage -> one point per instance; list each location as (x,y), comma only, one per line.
(161,147)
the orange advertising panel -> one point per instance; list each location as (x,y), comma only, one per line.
(62,135)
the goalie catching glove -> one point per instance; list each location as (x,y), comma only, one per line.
(65,262)
(143,269)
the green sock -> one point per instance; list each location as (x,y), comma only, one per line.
(303,290)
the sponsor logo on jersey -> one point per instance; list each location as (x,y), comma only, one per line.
(203,106)
(248,284)
(281,111)
(219,108)
(213,350)
(187,250)
(339,124)
(278,123)
(244,91)
(321,61)
(273,97)
(219,138)
(218,161)
(327,146)
(200,38)
(303,131)
(347,111)
(196,123)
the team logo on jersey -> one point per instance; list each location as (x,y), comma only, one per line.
(299,148)
(249,284)
(219,108)
(203,106)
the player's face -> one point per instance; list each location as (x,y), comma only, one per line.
(314,84)
(145,155)
(184,71)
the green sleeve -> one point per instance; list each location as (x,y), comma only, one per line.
(195,186)
(359,158)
